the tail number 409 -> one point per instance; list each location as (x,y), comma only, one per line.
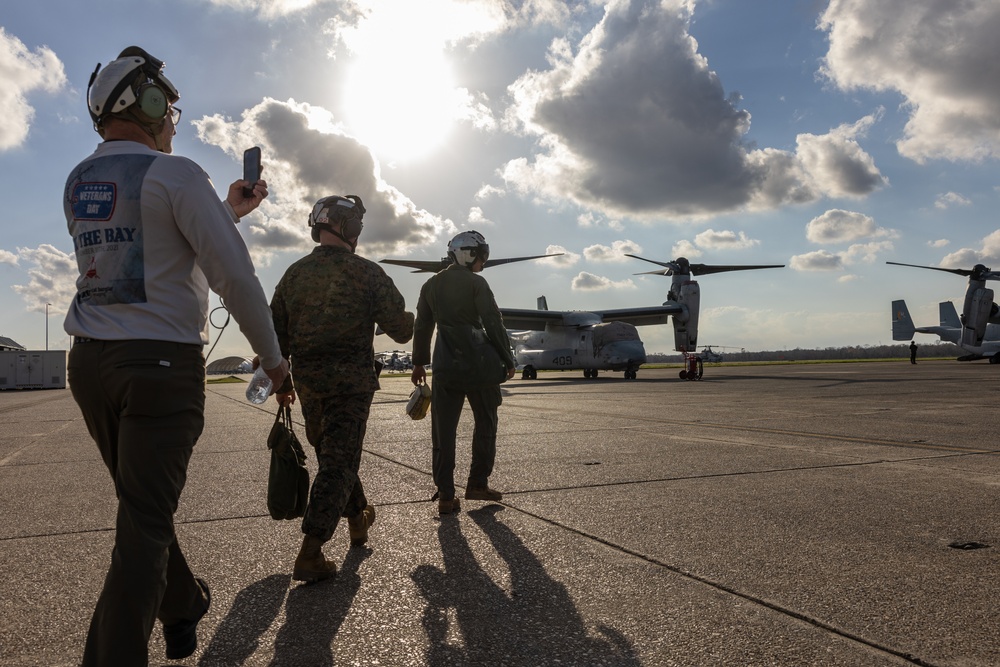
(565,360)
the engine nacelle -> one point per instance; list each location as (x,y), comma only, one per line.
(688,295)
(976,314)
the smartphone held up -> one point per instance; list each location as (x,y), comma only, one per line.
(251,169)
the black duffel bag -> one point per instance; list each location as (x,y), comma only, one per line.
(288,477)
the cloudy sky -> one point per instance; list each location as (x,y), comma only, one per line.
(830,137)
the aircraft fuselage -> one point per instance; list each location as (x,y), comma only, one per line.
(613,346)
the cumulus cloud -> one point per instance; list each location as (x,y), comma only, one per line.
(939,243)
(488,192)
(588,282)
(566,259)
(308,156)
(266,9)
(949,199)
(839,226)
(23,72)
(818,260)
(965,258)
(594,219)
(711,239)
(476,217)
(443,22)
(614,253)
(827,165)
(941,57)
(675,147)
(52,278)
(7,257)
(865,252)
(685,248)
(824,260)
(835,163)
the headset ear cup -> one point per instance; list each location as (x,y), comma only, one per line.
(352,228)
(151,102)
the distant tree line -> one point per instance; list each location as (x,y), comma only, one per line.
(901,351)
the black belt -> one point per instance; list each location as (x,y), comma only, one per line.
(81,339)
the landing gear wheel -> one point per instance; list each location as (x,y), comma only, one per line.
(529,373)
(683,375)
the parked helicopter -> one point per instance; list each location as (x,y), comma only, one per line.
(710,356)
(979,309)
(395,361)
(949,330)
(685,292)
(593,341)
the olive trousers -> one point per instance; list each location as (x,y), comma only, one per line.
(446,411)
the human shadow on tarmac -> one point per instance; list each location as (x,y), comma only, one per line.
(536,623)
(252,613)
(314,614)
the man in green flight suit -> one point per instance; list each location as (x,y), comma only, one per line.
(325,309)
(459,296)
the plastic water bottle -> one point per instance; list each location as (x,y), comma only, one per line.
(260,387)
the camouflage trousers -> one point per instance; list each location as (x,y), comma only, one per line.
(335,427)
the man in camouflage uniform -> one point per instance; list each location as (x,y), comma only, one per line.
(460,296)
(325,309)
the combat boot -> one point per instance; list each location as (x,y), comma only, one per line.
(358,525)
(481,492)
(310,565)
(449,506)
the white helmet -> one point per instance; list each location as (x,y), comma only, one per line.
(467,247)
(133,81)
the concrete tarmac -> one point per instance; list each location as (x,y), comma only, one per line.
(808,514)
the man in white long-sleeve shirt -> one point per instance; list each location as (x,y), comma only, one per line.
(151,238)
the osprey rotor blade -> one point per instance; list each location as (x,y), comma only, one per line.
(681,266)
(706,269)
(957,272)
(978,272)
(434,266)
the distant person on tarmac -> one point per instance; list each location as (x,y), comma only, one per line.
(325,309)
(913,352)
(151,239)
(459,297)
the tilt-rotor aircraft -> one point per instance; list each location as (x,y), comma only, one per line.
(685,291)
(979,309)
(949,330)
(607,339)
(593,341)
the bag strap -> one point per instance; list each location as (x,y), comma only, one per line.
(277,419)
(285,414)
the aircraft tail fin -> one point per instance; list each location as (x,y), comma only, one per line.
(902,323)
(948,315)
(542,303)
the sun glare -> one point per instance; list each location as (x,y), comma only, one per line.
(401,98)
(401,107)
